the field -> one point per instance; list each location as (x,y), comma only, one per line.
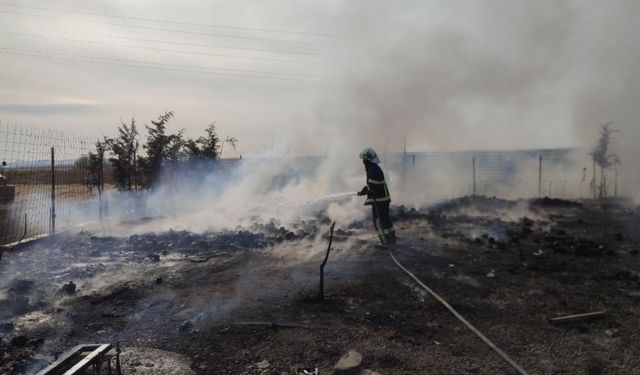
(223,303)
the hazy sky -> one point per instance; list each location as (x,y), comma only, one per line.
(317,76)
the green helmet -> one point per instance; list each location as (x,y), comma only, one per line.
(369,154)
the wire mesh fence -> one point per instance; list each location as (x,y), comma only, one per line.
(44,179)
(555,173)
(45,184)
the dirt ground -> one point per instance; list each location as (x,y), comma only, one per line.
(224,303)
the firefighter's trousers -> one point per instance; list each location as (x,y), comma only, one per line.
(382,222)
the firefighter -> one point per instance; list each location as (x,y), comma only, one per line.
(378,196)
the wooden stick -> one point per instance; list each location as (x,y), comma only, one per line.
(577,317)
(326,257)
(279,325)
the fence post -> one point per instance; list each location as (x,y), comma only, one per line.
(100,182)
(52,227)
(540,176)
(413,164)
(404,160)
(474,174)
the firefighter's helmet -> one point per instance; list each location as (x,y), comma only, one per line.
(369,154)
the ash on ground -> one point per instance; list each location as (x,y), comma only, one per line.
(241,302)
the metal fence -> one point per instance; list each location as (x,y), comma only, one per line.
(557,173)
(44,179)
(45,185)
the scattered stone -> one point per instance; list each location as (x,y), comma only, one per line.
(369,372)
(68,289)
(305,371)
(349,364)
(263,365)
(491,274)
(159,280)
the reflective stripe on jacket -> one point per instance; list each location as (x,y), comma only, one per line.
(377,190)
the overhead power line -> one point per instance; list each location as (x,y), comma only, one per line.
(161,66)
(242,37)
(165,64)
(84,13)
(92,42)
(203,45)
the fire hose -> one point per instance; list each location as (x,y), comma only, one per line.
(473,329)
(442,301)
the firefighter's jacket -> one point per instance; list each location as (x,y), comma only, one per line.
(376,189)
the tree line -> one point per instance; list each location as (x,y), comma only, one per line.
(137,163)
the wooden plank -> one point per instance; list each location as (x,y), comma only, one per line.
(280,325)
(66,359)
(577,317)
(11,246)
(88,360)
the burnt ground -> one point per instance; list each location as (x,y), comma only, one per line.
(224,302)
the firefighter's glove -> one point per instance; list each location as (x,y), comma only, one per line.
(364,191)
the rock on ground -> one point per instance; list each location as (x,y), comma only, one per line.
(349,364)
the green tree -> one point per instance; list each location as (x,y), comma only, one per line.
(160,147)
(95,164)
(124,151)
(192,150)
(206,147)
(210,144)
